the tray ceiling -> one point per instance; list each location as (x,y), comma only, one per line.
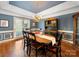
(35,6)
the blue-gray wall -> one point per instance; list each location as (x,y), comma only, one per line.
(10,27)
(41,24)
(65,22)
(10,22)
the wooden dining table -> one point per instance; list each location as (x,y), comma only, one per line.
(42,38)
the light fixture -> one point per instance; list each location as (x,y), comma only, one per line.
(37,18)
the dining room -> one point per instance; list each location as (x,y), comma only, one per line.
(39,28)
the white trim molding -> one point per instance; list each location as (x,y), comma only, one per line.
(6,31)
(65,31)
(61,9)
(4,5)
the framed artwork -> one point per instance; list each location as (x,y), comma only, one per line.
(3,23)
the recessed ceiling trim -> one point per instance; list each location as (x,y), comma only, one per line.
(62,6)
(72,10)
(6,6)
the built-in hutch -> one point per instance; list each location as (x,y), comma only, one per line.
(51,25)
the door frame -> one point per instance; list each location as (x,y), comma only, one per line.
(75,18)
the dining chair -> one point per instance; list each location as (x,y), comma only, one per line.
(56,48)
(25,37)
(34,44)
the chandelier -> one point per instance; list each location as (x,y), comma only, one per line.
(37,18)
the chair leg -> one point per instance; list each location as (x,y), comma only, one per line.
(24,45)
(36,52)
(45,50)
(56,52)
(60,52)
(29,50)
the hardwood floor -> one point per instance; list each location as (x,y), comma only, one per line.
(69,50)
(15,49)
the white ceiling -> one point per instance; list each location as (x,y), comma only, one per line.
(60,9)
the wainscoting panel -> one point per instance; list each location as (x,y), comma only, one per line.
(6,35)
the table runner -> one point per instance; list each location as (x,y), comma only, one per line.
(47,37)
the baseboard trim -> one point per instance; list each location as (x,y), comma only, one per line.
(68,41)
